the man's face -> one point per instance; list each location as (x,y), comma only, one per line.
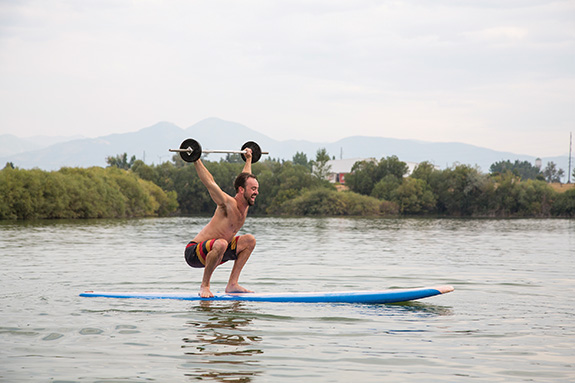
(251,191)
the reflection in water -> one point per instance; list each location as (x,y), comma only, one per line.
(424,308)
(221,337)
(409,309)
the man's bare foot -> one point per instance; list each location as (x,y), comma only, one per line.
(237,289)
(205,292)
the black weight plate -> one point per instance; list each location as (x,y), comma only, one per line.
(196,150)
(256,151)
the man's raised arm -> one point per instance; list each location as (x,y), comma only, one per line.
(248,164)
(217,194)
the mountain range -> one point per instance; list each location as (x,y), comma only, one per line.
(151,145)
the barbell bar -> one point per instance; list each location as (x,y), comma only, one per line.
(190,150)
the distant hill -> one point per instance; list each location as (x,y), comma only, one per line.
(10,144)
(151,145)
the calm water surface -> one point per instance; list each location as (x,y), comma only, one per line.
(511,317)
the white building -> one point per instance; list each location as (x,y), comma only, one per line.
(339,168)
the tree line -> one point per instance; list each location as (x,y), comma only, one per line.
(510,190)
(80,193)
(297,187)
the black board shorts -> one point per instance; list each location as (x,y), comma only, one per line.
(196,253)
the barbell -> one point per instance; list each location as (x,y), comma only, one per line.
(190,150)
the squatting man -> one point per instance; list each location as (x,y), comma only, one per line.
(218,241)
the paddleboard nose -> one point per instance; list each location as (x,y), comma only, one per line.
(444,289)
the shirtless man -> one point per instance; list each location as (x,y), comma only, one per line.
(217,242)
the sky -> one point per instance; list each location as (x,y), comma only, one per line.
(492,73)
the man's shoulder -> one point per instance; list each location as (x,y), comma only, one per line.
(229,200)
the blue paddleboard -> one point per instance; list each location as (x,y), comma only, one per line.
(382,296)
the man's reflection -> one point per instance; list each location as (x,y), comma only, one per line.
(222,347)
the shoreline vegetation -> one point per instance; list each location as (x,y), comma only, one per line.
(298,187)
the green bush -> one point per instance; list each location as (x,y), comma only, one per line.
(80,193)
(327,202)
(564,204)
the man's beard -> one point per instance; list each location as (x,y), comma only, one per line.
(249,199)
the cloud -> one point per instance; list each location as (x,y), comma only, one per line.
(438,70)
(498,34)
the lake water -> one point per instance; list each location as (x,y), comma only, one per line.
(511,317)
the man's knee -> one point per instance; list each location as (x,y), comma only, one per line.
(248,242)
(220,246)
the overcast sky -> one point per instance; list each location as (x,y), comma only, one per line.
(492,73)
